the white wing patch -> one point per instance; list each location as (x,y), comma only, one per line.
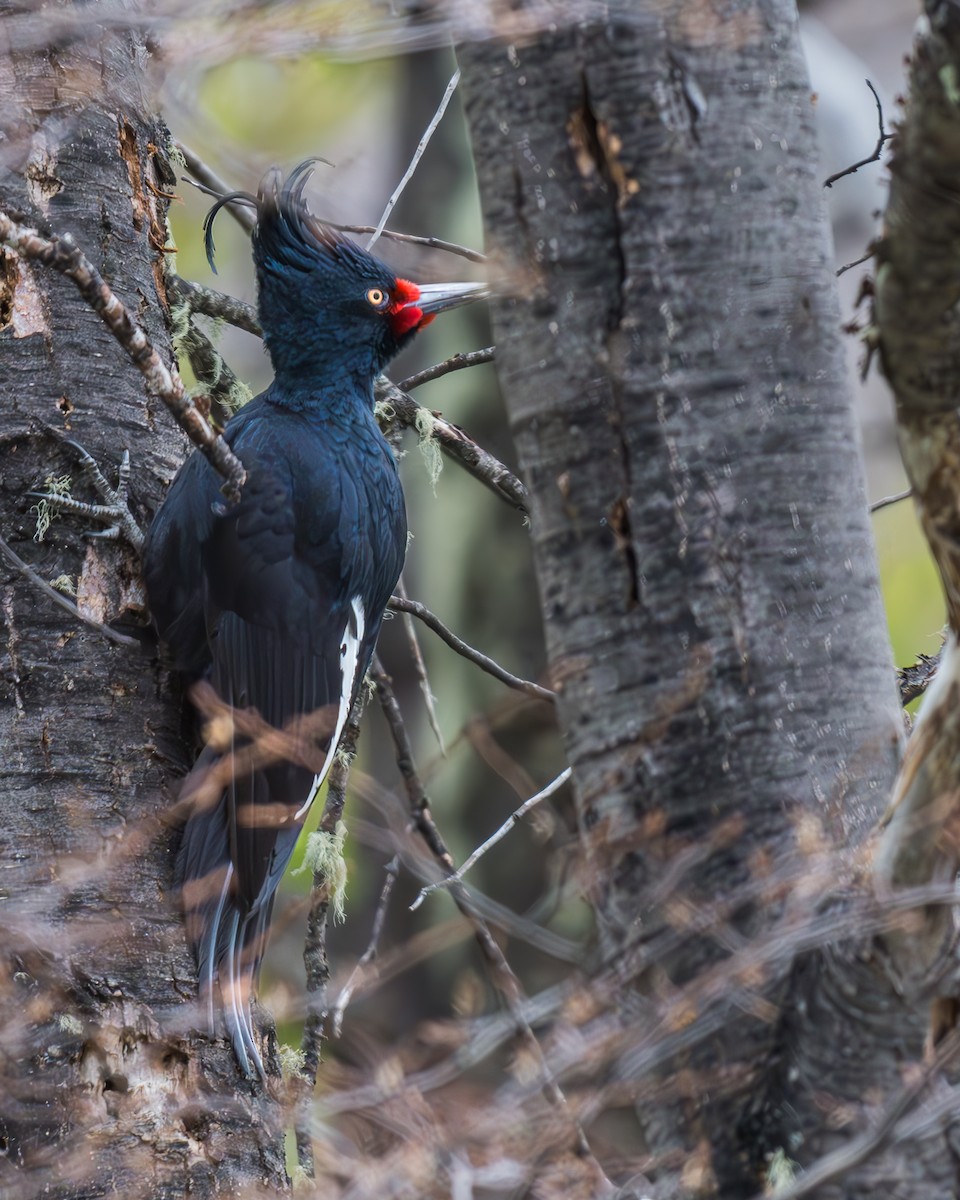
(349,658)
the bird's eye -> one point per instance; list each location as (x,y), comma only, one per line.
(377,297)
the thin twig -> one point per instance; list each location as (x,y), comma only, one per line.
(456,444)
(63,255)
(422,613)
(204,174)
(491,841)
(501,973)
(210,183)
(888,500)
(211,369)
(417,155)
(856,263)
(315,958)
(457,363)
(877,150)
(421,668)
(51,593)
(219,305)
(393,870)
(432,243)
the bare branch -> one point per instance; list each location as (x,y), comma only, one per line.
(121,639)
(422,613)
(63,255)
(457,363)
(215,186)
(417,155)
(491,841)
(501,973)
(882,138)
(219,305)
(457,445)
(432,243)
(315,958)
(848,266)
(421,668)
(886,501)
(380,916)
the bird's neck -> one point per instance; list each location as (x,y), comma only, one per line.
(322,390)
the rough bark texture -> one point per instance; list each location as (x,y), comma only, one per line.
(676,389)
(104,1089)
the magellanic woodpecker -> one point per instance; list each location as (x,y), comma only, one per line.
(277,600)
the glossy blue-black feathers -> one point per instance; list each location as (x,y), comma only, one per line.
(277,601)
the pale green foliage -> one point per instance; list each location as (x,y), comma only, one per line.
(324,857)
(237,396)
(175,156)
(46,510)
(65,584)
(429,447)
(384,411)
(291,1059)
(781,1172)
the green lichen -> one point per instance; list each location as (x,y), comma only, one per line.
(385,413)
(948,80)
(46,510)
(426,423)
(324,857)
(781,1172)
(291,1059)
(65,584)
(238,394)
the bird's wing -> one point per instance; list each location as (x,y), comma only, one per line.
(173,565)
(283,643)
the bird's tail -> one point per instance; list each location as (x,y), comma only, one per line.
(227,934)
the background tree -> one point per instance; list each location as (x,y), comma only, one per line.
(670,357)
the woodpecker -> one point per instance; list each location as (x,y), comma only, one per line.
(277,600)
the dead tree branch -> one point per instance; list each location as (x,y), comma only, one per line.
(120,639)
(458,362)
(497,836)
(380,916)
(417,155)
(63,255)
(501,973)
(456,445)
(882,139)
(422,613)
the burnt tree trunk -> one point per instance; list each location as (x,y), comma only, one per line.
(676,388)
(103,1088)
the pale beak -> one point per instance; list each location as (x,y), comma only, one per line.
(441,297)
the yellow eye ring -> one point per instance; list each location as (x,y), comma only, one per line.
(377,297)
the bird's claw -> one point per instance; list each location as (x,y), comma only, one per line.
(114,513)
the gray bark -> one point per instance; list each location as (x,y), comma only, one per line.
(673,371)
(104,1089)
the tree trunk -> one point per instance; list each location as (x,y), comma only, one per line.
(673,371)
(105,1090)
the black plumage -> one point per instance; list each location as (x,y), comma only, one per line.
(278,600)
